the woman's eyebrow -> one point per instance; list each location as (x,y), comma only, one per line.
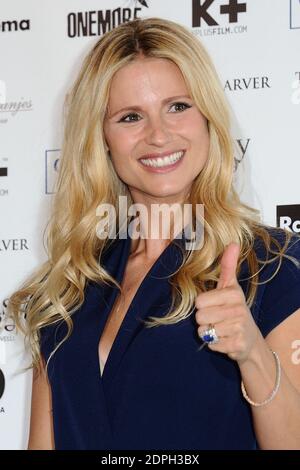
(138,108)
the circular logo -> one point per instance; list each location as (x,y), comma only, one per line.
(2,383)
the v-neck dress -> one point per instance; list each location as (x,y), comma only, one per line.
(157,390)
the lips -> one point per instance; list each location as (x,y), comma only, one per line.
(160,155)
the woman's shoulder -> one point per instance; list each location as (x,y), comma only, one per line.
(278,237)
(283,241)
(279,278)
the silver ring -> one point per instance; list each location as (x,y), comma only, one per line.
(209,336)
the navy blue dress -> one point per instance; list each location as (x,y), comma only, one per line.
(158,391)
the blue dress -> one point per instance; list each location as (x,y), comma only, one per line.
(157,391)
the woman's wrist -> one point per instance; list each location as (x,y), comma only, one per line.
(259,372)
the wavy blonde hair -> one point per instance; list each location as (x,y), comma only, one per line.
(87,178)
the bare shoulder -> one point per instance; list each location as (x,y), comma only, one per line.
(41,435)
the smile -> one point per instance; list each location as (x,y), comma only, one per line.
(162,162)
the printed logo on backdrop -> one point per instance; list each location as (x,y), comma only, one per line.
(3,176)
(219,17)
(288,217)
(295,98)
(3,170)
(7,334)
(52,165)
(13,244)
(2,91)
(2,98)
(247,83)
(98,22)
(242,146)
(10,108)
(8,26)
(2,387)
(295,14)
(8,331)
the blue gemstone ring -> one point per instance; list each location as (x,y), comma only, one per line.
(209,335)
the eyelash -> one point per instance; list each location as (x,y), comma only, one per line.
(135,114)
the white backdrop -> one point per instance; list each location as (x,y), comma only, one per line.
(42,42)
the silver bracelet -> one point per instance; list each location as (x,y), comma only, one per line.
(276,387)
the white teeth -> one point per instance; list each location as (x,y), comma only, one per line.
(162,161)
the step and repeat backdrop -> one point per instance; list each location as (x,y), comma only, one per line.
(255,45)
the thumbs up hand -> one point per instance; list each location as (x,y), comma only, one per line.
(225,309)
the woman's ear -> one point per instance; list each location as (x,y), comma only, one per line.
(106,146)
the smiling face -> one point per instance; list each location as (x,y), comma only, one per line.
(150,114)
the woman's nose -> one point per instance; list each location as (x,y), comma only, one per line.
(157,132)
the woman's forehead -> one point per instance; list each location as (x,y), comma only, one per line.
(141,78)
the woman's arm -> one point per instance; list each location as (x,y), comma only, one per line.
(277,424)
(41,422)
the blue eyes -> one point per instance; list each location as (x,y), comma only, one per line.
(135,114)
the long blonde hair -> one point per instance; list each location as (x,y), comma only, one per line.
(87,178)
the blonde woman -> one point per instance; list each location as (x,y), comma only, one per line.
(146,343)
